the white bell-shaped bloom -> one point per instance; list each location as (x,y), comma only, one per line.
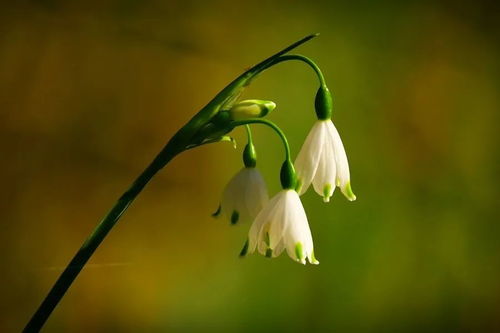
(322,161)
(282,224)
(244,196)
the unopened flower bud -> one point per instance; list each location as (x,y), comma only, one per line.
(251,108)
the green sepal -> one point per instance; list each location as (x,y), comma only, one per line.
(323,103)
(288,176)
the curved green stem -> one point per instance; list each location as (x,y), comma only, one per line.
(323,100)
(306,60)
(288,176)
(249,134)
(297,57)
(270,124)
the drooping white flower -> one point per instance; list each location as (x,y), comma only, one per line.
(282,225)
(322,161)
(244,196)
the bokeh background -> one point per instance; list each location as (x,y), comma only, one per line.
(91,90)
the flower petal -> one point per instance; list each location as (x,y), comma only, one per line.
(260,224)
(278,249)
(308,158)
(255,194)
(279,225)
(244,196)
(298,228)
(324,180)
(343,176)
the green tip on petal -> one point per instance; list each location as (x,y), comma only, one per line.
(349,194)
(313,259)
(244,250)
(269,253)
(299,251)
(327,192)
(217,212)
(298,187)
(235,217)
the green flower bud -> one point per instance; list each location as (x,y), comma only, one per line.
(251,108)
(323,103)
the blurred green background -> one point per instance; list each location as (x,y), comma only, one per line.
(91,90)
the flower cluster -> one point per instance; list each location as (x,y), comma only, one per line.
(280,223)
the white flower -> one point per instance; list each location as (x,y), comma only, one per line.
(323,161)
(244,196)
(282,224)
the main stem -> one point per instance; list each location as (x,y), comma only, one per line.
(94,240)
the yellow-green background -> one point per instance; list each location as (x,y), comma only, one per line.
(90,91)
